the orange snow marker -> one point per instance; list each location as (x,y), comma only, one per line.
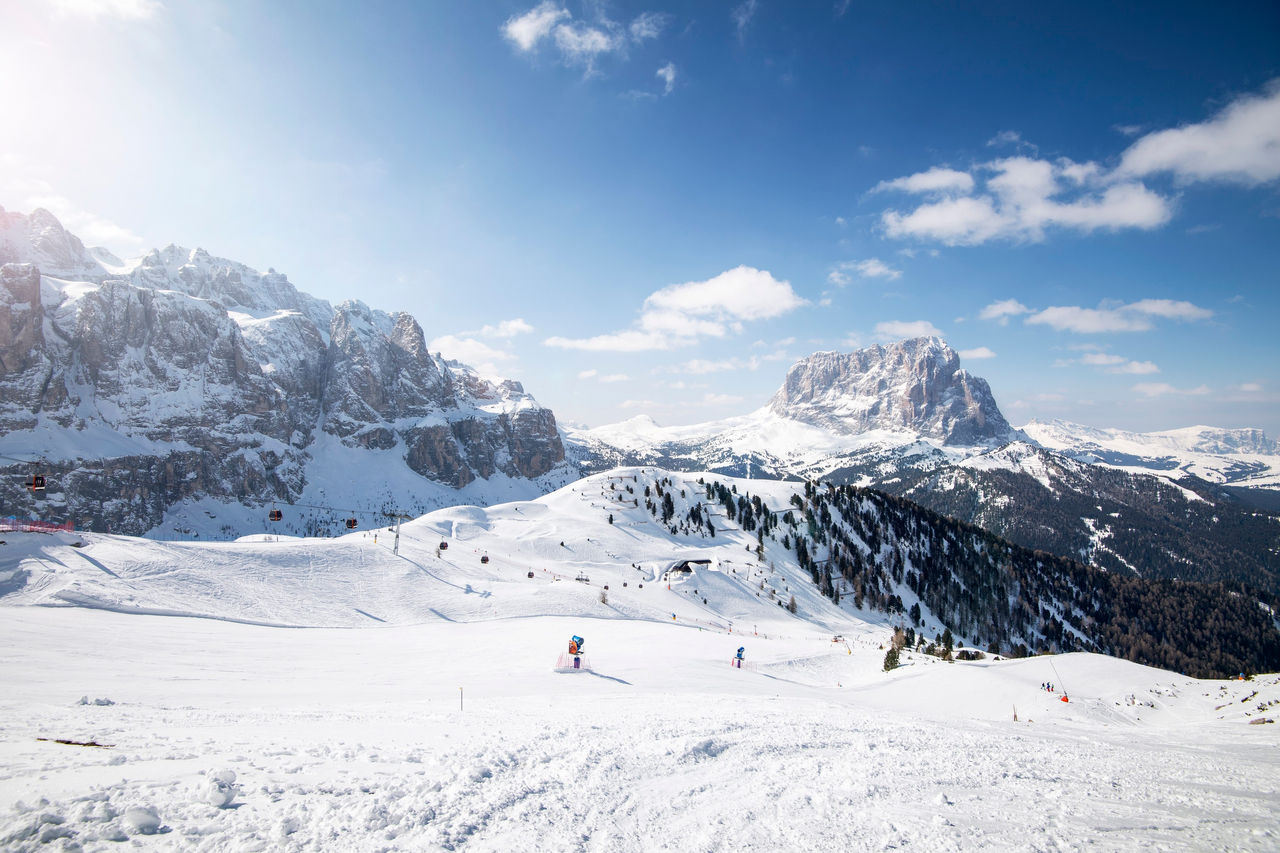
(1064,697)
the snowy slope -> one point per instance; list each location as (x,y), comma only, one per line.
(421,710)
(1241,457)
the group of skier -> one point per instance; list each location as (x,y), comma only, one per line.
(577,644)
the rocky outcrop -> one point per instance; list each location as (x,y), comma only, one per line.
(184,375)
(915,386)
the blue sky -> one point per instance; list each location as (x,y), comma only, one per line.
(645,209)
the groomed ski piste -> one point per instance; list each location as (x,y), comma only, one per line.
(328,694)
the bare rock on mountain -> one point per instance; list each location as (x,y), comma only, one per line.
(915,385)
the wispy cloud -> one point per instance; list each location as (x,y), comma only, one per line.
(741,16)
(487,360)
(1118,364)
(580,42)
(897,329)
(505,329)
(1001,311)
(648,25)
(606,378)
(681,314)
(939,179)
(525,31)
(467,347)
(667,74)
(977,353)
(1164,389)
(1134,317)
(869,268)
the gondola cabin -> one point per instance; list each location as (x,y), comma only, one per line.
(36,483)
(484,558)
(444,546)
(352,524)
(275,515)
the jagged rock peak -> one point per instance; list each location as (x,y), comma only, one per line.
(914,385)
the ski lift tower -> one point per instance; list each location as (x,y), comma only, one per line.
(398,516)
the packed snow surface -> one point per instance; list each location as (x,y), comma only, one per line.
(413,703)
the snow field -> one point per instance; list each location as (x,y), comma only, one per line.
(362,740)
(411,704)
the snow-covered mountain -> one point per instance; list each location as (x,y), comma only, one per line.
(914,386)
(1240,457)
(907,420)
(181,391)
(856,417)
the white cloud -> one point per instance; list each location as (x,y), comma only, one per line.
(485,359)
(711,399)
(648,25)
(607,378)
(742,15)
(870,268)
(505,329)
(1102,359)
(1135,317)
(1240,144)
(1024,197)
(1162,389)
(525,31)
(1170,309)
(939,179)
(1004,309)
(1251,387)
(979,352)
(667,74)
(841,7)
(580,44)
(1005,137)
(1118,364)
(743,292)
(125,10)
(876,268)
(1140,368)
(681,314)
(897,329)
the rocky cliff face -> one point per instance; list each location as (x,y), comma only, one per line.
(912,386)
(183,376)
